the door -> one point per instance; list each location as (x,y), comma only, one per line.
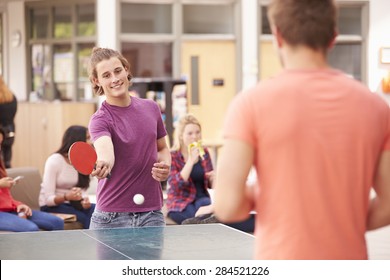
(210,67)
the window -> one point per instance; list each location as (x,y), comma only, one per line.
(147,38)
(149,59)
(63,72)
(41,71)
(348,53)
(61,38)
(350,20)
(265,26)
(146,18)
(84,89)
(86,20)
(62,22)
(347,57)
(208,19)
(39,23)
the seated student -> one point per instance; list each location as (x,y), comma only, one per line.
(17,216)
(63,189)
(191,173)
(205,215)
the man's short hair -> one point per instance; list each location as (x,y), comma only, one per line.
(311,23)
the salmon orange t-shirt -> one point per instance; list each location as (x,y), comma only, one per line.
(317,137)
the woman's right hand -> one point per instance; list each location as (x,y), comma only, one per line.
(193,155)
(74,194)
(7,182)
(102,169)
(24,208)
(86,203)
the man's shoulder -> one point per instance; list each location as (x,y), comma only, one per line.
(145,101)
(101,112)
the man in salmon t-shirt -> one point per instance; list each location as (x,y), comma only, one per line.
(319,141)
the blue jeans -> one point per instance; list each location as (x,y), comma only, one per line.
(190,210)
(83,216)
(101,219)
(10,221)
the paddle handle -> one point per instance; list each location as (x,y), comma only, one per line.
(108,176)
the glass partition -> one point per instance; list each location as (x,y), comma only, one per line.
(39,23)
(84,89)
(347,57)
(63,72)
(41,73)
(208,19)
(350,21)
(265,27)
(347,54)
(60,39)
(86,25)
(149,59)
(62,22)
(146,18)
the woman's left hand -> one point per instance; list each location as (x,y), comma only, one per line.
(160,171)
(24,208)
(86,203)
(210,175)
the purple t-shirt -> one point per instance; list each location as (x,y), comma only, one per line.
(134,131)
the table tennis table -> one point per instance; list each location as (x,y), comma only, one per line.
(179,242)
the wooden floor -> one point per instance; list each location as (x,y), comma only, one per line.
(378,242)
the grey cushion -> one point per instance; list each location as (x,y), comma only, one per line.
(27,189)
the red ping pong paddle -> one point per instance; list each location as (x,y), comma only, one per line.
(83,157)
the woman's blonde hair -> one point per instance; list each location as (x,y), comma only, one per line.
(6,94)
(185,120)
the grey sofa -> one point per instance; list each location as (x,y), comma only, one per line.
(27,190)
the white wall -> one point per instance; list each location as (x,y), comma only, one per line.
(379,36)
(107,23)
(17,64)
(107,27)
(250,42)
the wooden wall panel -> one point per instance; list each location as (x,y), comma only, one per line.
(40,127)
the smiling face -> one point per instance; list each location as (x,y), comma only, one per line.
(112,76)
(191,133)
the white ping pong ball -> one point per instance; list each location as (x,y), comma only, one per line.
(138,199)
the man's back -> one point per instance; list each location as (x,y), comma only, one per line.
(319,141)
(315,152)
